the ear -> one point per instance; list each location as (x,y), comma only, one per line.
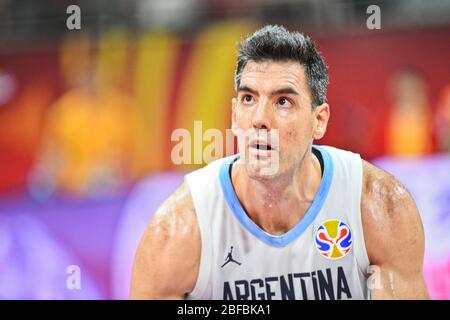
(321,115)
(233,116)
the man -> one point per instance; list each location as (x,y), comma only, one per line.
(309,229)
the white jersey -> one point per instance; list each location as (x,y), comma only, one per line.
(322,257)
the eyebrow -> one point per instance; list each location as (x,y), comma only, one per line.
(248,89)
(287,90)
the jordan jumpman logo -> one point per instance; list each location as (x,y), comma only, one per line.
(229,258)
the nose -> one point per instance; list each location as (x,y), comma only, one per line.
(262,116)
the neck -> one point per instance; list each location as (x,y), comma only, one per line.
(278,205)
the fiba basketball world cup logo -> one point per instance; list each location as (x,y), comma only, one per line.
(333,239)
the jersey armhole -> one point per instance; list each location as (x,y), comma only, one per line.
(362,256)
(204,271)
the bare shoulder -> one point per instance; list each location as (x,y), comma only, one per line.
(175,216)
(167,259)
(383,195)
(389,214)
(394,235)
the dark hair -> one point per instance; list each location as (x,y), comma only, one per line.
(277,44)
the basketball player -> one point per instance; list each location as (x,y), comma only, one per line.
(325,225)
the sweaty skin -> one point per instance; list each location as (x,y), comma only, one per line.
(388,209)
(276,95)
(167,259)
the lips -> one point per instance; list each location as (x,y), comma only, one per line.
(261,148)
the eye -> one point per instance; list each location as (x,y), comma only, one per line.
(284,102)
(247,99)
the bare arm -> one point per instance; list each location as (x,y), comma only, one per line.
(167,259)
(394,236)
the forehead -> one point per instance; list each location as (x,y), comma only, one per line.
(274,74)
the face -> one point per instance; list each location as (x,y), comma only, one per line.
(273,118)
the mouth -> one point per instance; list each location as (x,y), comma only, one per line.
(261,149)
(261,146)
